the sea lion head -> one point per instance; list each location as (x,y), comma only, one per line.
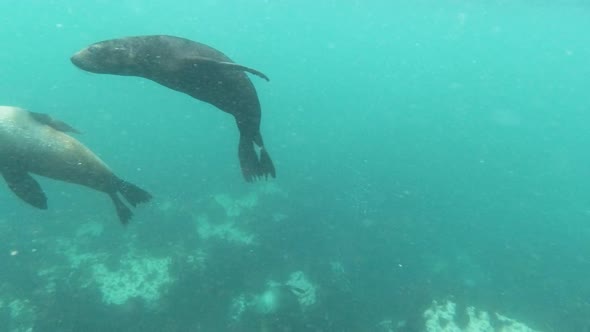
(117,56)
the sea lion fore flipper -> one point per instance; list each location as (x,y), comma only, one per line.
(53,123)
(26,188)
(231,65)
(196,60)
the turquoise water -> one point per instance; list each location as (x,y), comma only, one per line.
(425,151)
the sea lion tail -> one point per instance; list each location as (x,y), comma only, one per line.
(253,167)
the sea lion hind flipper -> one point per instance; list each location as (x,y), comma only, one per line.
(266,165)
(248,159)
(133,194)
(123,211)
(53,123)
(195,60)
(26,188)
(252,167)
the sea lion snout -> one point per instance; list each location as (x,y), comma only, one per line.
(105,57)
(92,58)
(80,59)
(77,58)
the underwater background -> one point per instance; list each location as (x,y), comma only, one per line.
(425,151)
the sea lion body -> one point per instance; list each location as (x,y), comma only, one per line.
(45,151)
(35,143)
(195,69)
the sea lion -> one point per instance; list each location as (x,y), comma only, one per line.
(193,68)
(36,143)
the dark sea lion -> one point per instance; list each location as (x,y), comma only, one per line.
(36,143)
(197,70)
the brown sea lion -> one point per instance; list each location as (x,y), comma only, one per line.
(197,70)
(36,143)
